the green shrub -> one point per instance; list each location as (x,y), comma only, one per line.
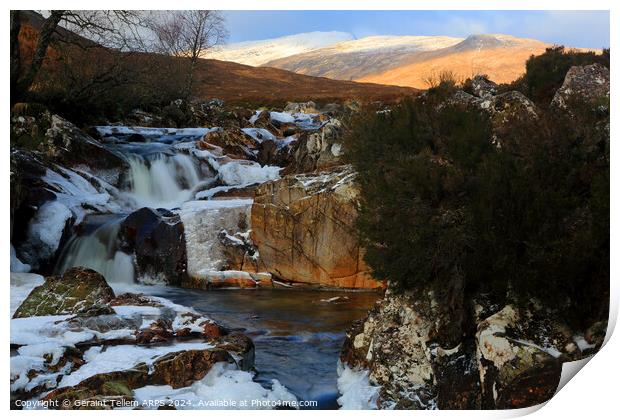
(439,200)
(544,74)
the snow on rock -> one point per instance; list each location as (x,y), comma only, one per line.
(112,130)
(224,387)
(202,221)
(16,265)
(259,134)
(243,173)
(21,286)
(116,358)
(355,389)
(44,231)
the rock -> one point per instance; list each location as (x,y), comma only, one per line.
(113,387)
(182,368)
(233,142)
(302,226)
(511,114)
(134,299)
(318,150)
(159,331)
(77,290)
(482,87)
(222,279)
(156,239)
(241,348)
(514,372)
(392,343)
(239,251)
(586,83)
(305,107)
(63,142)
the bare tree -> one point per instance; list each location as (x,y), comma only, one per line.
(113,29)
(189,34)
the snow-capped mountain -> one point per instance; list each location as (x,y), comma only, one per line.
(394,60)
(257,53)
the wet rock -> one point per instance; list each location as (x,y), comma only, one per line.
(241,348)
(302,226)
(155,236)
(77,290)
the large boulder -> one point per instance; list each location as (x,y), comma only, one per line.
(155,237)
(302,226)
(589,83)
(77,290)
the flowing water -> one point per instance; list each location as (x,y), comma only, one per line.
(298,334)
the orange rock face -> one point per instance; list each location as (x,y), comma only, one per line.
(302,226)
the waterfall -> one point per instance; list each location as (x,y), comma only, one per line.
(162,181)
(98,250)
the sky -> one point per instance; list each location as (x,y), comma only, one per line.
(582,29)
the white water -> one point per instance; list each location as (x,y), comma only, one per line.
(99,252)
(163,181)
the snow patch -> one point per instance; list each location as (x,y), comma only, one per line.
(223,383)
(355,389)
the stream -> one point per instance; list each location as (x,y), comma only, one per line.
(298,334)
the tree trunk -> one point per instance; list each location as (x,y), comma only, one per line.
(15,53)
(45,38)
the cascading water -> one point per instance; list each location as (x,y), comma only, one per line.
(162,180)
(98,250)
(159,177)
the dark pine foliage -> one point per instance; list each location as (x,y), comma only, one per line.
(528,220)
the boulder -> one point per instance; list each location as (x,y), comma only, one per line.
(62,142)
(233,142)
(302,226)
(317,150)
(515,372)
(155,237)
(78,289)
(411,351)
(181,369)
(587,83)
(482,87)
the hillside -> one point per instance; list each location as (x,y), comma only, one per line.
(408,61)
(238,83)
(352,60)
(257,53)
(501,58)
(223,79)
